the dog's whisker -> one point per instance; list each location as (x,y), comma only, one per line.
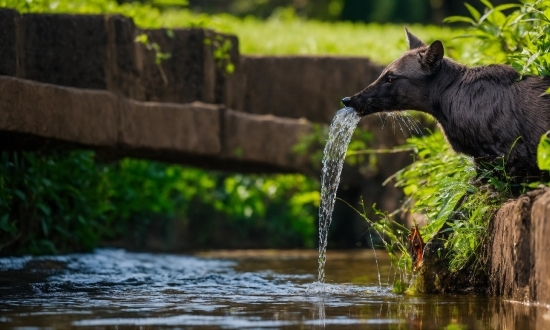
(410,120)
(403,120)
(400,126)
(415,123)
(385,119)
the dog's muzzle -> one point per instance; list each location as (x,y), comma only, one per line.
(346,101)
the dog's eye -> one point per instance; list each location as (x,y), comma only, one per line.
(389,79)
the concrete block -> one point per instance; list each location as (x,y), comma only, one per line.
(265,140)
(303,86)
(121,68)
(8,41)
(187,76)
(67,50)
(175,128)
(68,114)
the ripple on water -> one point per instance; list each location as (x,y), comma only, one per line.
(112,288)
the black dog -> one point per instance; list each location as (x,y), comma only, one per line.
(487,112)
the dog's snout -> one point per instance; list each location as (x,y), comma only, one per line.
(346,101)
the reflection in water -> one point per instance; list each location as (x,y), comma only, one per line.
(242,289)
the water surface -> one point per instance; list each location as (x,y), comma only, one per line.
(238,289)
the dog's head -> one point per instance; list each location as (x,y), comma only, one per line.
(404,84)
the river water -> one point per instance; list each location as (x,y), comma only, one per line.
(233,289)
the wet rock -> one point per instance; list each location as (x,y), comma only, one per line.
(540,245)
(434,275)
(518,248)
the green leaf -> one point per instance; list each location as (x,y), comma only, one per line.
(457,19)
(543,152)
(475,14)
(507,6)
(20,194)
(488,4)
(142,38)
(4,223)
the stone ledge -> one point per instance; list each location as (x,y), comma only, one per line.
(68,114)
(38,115)
(193,128)
(264,139)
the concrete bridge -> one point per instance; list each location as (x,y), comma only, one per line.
(83,80)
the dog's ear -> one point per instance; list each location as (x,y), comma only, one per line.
(413,41)
(434,54)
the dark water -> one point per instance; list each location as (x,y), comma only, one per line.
(247,289)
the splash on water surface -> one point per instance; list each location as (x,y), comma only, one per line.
(341,129)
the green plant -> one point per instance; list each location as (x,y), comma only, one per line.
(517,34)
(51,203)
(435,182)
(221,48)
(143,39)
(543,152)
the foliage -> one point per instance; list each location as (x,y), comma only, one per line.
(543,152)
(435,182)
(283,33)
(75,202)
(517,34)
(53,203)
(450,195)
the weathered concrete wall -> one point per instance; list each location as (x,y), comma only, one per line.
(8,40)
(100,52)
(85,117)
(302,86)
(519,266)
(38,115)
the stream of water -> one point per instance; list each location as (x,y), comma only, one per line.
(115,289)
(341,129)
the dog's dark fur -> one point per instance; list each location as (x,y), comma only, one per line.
(487,112)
